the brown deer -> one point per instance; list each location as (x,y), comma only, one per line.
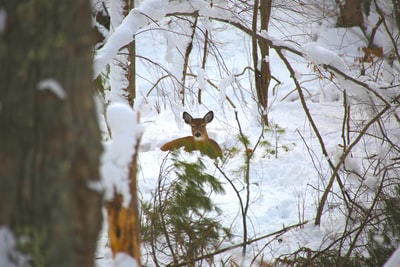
(199,139)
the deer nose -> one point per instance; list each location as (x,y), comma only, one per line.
(197,134)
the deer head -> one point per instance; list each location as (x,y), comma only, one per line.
(198,125)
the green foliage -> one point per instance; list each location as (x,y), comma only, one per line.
(275,131)
(244,140)
(274,128)
(33,246)
(232,152)
(101,82)
(268,148)
(380,248)
(385,240)
(181,220)
(327,258)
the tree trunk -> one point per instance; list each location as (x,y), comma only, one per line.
(261,65)
(396,10)
(49,137)
(350,14)
(131,68)
(123,222)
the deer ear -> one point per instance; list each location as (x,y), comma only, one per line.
(187,117)
(208,117)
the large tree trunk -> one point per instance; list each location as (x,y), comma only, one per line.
(49,142)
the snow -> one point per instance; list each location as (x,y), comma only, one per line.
(285,186)
(394,260)
(124,260)
(320,55)
(149,11)
(53,85)
(9,254)
(288,172)
(118,150)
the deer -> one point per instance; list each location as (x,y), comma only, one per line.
(199,139)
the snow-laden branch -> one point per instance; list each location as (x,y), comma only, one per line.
(315,53)
(152,11)
(322,56)
(148,12)
(119,151)
(318,55)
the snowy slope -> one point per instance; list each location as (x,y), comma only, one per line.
(285,188)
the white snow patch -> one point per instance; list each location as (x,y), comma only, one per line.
(201,79)
(52,85)
(284,189)
(394,260)
(372,182)
(149,11)
(323,56)
(118,151)
(124,260)
(9,255)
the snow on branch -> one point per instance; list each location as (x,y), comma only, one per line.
(148,12)
(53,85)
(322,56)
(119,151)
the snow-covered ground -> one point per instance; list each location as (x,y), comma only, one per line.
(286,187)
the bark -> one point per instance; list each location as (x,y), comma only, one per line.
(131,64)
(261,64)
(396,10)
(123,222)
(49,145)
(350,14)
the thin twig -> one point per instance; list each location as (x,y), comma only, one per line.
(248,242)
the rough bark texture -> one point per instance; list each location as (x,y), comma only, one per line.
(49,146)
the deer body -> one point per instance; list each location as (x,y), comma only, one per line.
(199,139)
